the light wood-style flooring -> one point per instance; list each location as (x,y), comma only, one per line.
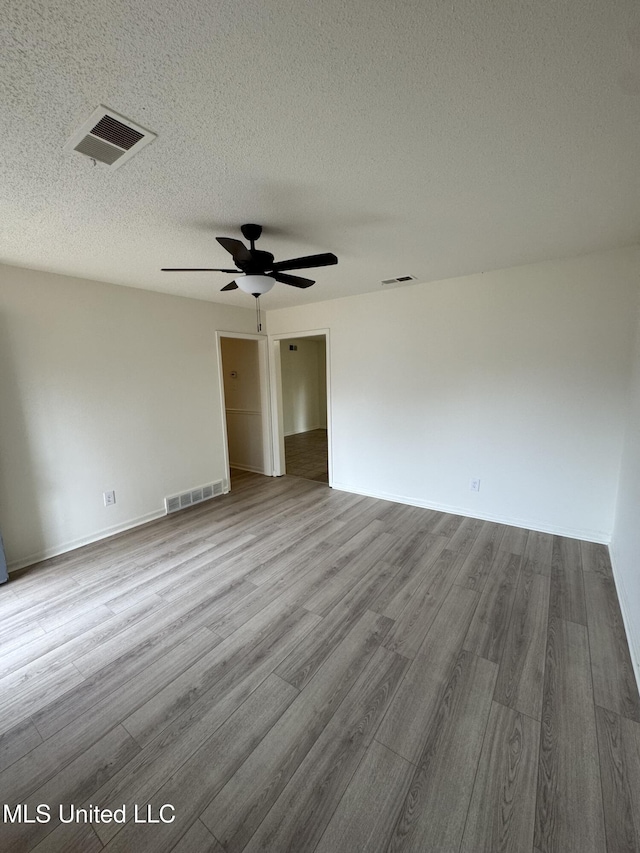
(291,668)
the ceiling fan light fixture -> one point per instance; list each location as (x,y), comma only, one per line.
(256,285)
(256,271)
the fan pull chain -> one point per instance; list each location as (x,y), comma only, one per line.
(258,323)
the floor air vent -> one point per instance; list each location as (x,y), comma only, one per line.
(109,138)
(194,496)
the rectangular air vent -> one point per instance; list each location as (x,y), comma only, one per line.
(193,496)
(402,279)
(109,138)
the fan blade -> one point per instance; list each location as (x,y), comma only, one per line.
(295,280)
(306,263)
(235,248)
(195,269)
(231,286)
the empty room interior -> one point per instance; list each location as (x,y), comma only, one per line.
(333,547)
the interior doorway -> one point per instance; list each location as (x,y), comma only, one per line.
(301,384)
(245,402)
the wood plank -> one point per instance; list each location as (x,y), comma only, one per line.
(34,617)
(42,762)
(417,550)
(27,595)
(413,623)
(336,587)
(103,683)
(521,673)
(68,837)
(569,802)
(395,596)
(475,568)
(462,540)
(614,683)
(362,824)
(66,643)
(61,610)
(404,521)
(228,660)
(208,573)
(305,660)
(567,552)
(8,599)
(197,839)
(619,745)
(17,599)
(566,599)
(18,741)
(321,541)
(284,589)
(297,583)
(433,814)
(303,810)
(445,524)
(243,803)
(16,640)
(179,618)
(148,770)
(595,558)
(367,509)
(405,728)
(193,784)
(31,688)
(71,786)
(539,552)
(514,540)
(502,811)
(488,630)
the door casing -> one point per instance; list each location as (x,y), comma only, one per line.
(277,417)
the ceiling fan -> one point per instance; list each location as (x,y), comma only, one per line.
(256,270)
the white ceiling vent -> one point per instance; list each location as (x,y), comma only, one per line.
(402,279)
(109,138)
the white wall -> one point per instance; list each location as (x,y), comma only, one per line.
(518,377)
(102,387)
(304,385)
(243,403)
(625,543)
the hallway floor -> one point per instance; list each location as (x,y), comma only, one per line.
(306,455)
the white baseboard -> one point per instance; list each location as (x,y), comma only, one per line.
(599,536)
(253,469)
(632,628)
(64,547)
(302,431)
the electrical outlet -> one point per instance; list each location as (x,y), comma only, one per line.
(474,484)
(109,498)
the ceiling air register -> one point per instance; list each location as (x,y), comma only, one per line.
(109,138)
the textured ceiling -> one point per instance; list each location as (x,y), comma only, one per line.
(433,139)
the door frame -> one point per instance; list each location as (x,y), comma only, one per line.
(277,416)
(265,400)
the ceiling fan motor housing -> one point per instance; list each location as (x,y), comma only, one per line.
(260,261)
(251,232)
